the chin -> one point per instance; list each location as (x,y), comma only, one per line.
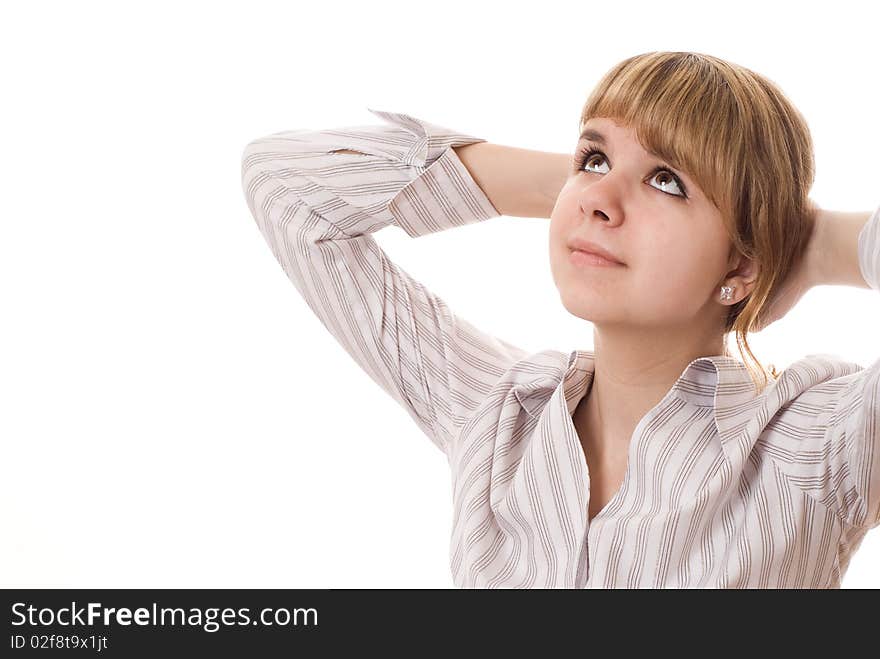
(590,310)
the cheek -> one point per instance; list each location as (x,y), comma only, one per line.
(676,267)
(563,225)
(563,217)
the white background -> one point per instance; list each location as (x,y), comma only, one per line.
(172,413)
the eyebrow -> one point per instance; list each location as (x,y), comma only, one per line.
(595,136)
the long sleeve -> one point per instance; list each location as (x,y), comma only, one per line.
(317,209)
(855,422)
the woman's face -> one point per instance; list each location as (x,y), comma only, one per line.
(674,249)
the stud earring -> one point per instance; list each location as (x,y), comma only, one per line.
(727,292)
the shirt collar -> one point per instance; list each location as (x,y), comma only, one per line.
(715,381)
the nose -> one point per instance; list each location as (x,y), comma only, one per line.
(597,212)
(600,198)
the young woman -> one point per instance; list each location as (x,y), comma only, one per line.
(657,459)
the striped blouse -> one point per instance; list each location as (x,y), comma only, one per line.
(723,488)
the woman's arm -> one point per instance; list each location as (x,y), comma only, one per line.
(518,182)
(319,196)
(850,255)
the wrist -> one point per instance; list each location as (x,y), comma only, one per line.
(833,250)
(554,171)
(519,182)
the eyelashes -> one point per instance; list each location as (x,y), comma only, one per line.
(586,152)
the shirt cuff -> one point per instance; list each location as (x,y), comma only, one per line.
(445,195)
(869,250)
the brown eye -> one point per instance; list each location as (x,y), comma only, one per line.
(591,159)
(588,158)
(667,180)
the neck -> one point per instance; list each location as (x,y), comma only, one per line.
(633,372)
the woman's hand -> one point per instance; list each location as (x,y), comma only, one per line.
(801,279)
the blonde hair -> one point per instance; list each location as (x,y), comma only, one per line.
(744,143)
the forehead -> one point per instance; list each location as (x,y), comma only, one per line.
(603,130)
(604,122)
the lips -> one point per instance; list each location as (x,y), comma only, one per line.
(583,245)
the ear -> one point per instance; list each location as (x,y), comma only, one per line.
(742,275)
